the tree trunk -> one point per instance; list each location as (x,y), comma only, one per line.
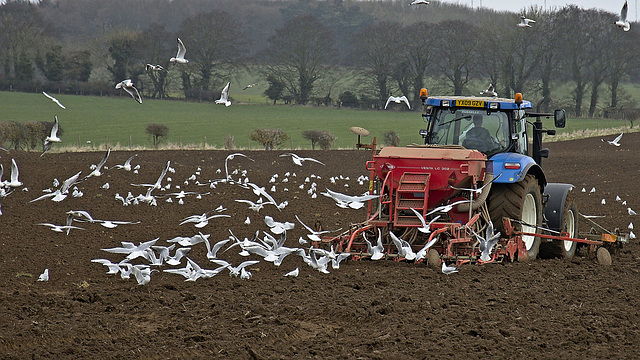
(594,98)
(614,91)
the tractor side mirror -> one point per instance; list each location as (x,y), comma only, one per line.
(559,118)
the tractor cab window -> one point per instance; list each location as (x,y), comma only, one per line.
(471,128)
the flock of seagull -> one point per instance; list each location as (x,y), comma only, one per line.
(143,259)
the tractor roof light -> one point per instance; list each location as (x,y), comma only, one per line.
(518,98)
(423,94)
(445,103)
(494,105)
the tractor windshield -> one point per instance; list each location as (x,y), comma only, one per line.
(471,128)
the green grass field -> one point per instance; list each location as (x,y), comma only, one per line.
(116,120)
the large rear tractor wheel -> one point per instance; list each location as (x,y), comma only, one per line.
(560,248)
(521,201)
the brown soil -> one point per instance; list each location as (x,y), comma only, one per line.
(372,310)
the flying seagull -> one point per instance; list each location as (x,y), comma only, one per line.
(622,20)
(54,100)
(127,164)
(398,100)
(419,2)
(180,55)
(249,86)
(224,96)
(154,67)
(524,22)
(127,85)
(616,141)
(298,160)
(490,91)
(53,137)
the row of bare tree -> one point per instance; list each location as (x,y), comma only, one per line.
(306,48)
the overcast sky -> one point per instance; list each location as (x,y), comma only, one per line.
(612,6)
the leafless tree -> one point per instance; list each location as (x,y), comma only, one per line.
(457,58)
(297,54)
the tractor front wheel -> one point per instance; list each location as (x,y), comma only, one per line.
(521,201)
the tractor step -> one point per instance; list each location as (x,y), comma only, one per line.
(408,221)
(406,204)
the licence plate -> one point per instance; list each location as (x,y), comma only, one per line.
(470,103)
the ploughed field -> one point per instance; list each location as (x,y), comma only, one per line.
(365,309)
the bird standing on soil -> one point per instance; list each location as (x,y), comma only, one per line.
(446,269)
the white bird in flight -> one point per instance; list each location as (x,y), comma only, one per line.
(616,141)
(425,229)
(53,137)
(622,20)
(127,164)
(127,85)
(398,100)
(54,100)
(490,91)
(404,248)
(524,22)
(60,228)
(154,67)
(249,86)
(298,160)
(419,2)
(180,55)
(224,96)
(376,252)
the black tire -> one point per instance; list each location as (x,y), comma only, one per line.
(518,201)
(559,248)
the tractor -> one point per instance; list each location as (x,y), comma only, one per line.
(475,171)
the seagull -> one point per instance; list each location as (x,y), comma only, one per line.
(155,67)
(127,85)
(201,220)
(446,208)
(253,206)
(487,243)
(425,227)
(114,268)
(293,273)
(298,160)
(14,183)
(397,100)
(212,252)
(180,55)
(234,270)
(231,157)
(419,2)
(376,252)
(631,212)
(44,276)
(127,164)
(110,224)
(344,201)
(630,227)
(616,141)
(142,274)
(622,20)
(131,250)
(448,269)
(632,235)
(53,137)
(524,22)
(314,235)
(277,227)
(60,228)
(224,96)
(54,100)
(96,171)
(404,248)
(175,259)
(249,86)
(490,91)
